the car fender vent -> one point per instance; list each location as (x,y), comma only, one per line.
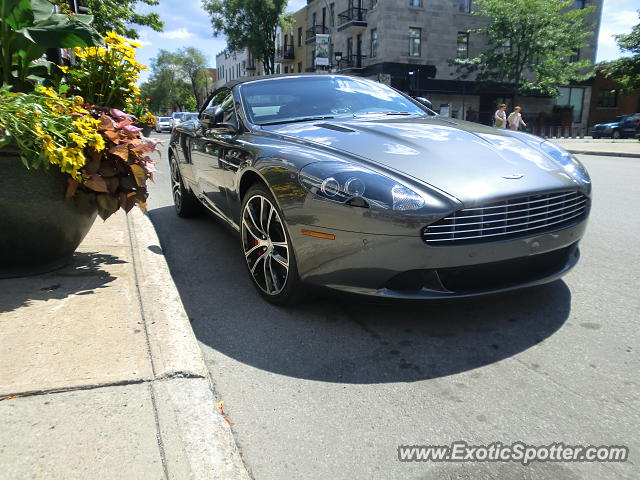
(337,128)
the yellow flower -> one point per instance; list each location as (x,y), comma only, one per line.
(64,69)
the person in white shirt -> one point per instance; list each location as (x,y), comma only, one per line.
(500,117)
(515,119)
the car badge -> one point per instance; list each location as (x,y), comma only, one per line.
(514,176)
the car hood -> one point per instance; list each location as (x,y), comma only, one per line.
(467,160)
(611,124)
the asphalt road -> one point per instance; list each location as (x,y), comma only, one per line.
(329,389)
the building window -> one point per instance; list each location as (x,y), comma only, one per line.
(572,97)
(463,45)
(374,4)
(299,36)
(506,47)
(332,12)
(415,3)
(374,42)
(579,4)
(608,98)
(299,67)
(576,55)
(464,6)
(415,41)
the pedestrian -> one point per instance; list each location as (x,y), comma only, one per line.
(515,119)
(500,117)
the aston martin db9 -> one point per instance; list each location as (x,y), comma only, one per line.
(346,183)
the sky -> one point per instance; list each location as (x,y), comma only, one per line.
(187,24)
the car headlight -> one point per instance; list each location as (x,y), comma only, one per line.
(347,184)
(567,160)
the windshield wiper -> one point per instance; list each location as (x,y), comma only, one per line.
(296,120)
(382,113)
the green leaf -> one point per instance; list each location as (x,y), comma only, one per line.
(59,31)
(42,9)
(16,13)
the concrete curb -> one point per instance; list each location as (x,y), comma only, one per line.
(197,442)
(605,154)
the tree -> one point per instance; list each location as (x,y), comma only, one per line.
(249,24)
(530,45)
(178,80)
(194,65)
(118,15)
(626,71)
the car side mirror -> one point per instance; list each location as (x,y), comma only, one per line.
(427,103)
(211,116)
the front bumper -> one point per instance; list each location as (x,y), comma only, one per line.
(389,266)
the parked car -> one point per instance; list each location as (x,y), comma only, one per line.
(176,118)
(610,129)
(348,184)
(163,124)
(630,126)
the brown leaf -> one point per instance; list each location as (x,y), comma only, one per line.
(120,151)
(131,201)
(112,136)
(96,183)
(106,124)
(107,205)
(139,174)
(72,186)
(147,147)
(112,184)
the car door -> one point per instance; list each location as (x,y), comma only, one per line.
(212,172)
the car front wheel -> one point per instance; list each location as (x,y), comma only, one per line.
(267,248)
(616,134)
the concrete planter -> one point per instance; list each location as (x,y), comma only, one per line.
(39,229)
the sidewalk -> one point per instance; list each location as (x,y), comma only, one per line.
(100,373)
(607,147)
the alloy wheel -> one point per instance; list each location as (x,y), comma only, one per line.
(176,185)
(265,245)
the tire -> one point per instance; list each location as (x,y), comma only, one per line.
(595,137)
(616,135)
(265,243)
(184,200)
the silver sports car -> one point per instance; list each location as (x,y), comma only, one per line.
(348,184)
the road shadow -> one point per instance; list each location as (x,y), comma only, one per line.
(84,274)
(344,339)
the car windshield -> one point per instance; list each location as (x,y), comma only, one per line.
(619,118)
(190,116)
(301,98)
(179,116)
(164,119)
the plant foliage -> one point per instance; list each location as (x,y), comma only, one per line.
(530,45)
(119,16)
(27,29)
(250,24)
(626,70)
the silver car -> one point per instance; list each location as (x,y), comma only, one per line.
(163,124)
(347,184)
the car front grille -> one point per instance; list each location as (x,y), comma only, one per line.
(507,219)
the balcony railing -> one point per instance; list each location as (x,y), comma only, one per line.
(315,30)
(352,17)
(285,53)
(351,61)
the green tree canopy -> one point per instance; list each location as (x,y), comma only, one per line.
(118,15)
(249,24)
(626,71)
(179,80)
(530,45)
